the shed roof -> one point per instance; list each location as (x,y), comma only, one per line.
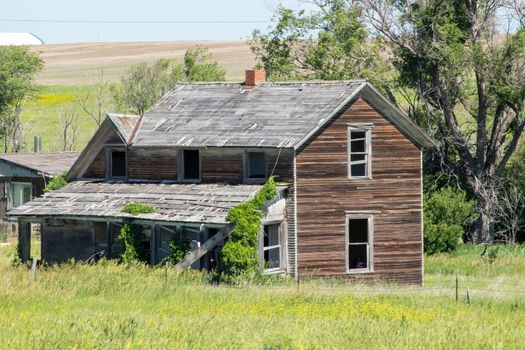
(226,114)
(190,203)
(50,164)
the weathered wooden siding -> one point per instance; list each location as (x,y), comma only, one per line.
(97,169)
(217,164)
(152,164)
(393,196)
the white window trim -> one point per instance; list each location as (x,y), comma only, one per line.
(367,129)
(282,249)
(22,185)
(370,250)
(247,167)
(180,172)
(109,163)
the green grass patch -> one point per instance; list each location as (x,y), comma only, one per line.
(138,208)
(40,117)
(139,307)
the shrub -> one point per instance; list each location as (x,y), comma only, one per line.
(240,255)
(447,212)
(131,235)
(177,250)
(56,183)
(137,208)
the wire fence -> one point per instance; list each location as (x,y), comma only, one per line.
(455,286)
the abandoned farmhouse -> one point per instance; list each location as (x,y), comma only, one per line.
(347,162)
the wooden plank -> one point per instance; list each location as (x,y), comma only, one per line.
(204,248)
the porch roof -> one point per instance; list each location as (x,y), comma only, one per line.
(190,203)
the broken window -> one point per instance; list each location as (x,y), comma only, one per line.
(256,166)
(271,247)
(118,164)
(359,152)
(191,164)
(359,243)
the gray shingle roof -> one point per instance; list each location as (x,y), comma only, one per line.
(50,164)
(195,203)
(125,125)
(223,114)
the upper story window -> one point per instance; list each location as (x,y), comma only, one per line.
(190,165)
(359,243)
(117,164)
(359,152)
(255,166)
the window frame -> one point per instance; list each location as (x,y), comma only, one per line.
(11,202)
(247,167)
(180,172)
(367,129)
(109,163)
(282,248)
(370,243)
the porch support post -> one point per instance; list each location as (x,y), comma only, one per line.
(24,239)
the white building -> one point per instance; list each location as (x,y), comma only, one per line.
(7,39)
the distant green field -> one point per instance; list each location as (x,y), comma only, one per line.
(115,307)
(40,117)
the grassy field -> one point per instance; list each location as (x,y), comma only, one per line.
(111,306)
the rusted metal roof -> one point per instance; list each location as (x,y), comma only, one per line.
(185,203)
(125,125)
(50,164)
(225,114)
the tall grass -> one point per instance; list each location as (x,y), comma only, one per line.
(116,306)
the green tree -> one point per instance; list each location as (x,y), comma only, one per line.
(198,66)
(18,66)
(466,80)
(330,43)
(142,86)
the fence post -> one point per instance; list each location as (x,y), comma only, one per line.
(166,271)
(33,269)
(457,286)
(468,297)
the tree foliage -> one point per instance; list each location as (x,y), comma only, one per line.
(18,66)
(56,183)
(447,213)
(142,86)
(131,236)
(240,254)
(198,66)
(331,43)
(144,83)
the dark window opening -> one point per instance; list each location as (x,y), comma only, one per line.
(118,164)
(358,244)
(191,165)
(359,152)
(256,165)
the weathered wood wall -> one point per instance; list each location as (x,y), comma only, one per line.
(66,239)
(393,196)
(217,164)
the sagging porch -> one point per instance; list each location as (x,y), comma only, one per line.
(90,239)
(82,221)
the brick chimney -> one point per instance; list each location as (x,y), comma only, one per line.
(254,76)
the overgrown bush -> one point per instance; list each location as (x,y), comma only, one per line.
(240,254)
(177,250)
(131,235)
(137,208)
(447,212)
(56,183)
